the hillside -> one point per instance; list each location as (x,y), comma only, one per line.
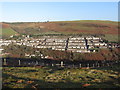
(6,31)
(102,54)
(107,28)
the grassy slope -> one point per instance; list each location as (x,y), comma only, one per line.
(111,37)
(107,28)
(31,77)
(6,30)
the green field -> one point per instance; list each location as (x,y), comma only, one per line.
(49,77)
(6,32)
(110,37)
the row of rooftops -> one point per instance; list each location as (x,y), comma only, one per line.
(75,44)
(47,40)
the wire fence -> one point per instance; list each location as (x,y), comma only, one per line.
(8,62)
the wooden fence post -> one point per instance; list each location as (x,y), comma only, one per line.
(116,61)
(80,65)
(36,62)
(103,64)
(73,65)
(108,64)
(88,65)
(61,63)
(5,61)
(46,64)
(19,62)
(93,65)
(52,64)
(98,65)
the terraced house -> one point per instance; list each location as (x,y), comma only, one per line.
(72,43)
